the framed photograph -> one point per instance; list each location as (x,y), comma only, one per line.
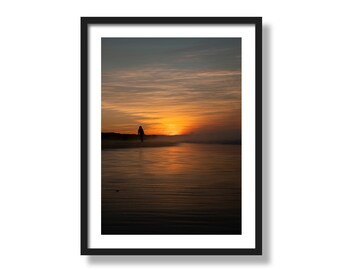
(171,160)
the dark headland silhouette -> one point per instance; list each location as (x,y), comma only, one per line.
(116,140)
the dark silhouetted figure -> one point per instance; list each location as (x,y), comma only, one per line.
(141,133)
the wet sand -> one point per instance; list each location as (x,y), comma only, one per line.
(115,144)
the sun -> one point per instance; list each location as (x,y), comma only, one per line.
(172,130)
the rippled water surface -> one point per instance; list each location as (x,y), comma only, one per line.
(182,189)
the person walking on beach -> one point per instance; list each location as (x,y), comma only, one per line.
(141,133)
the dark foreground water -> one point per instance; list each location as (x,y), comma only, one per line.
(182,189)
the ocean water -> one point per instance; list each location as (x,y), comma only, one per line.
(181,189)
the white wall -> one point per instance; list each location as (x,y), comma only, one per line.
(40,131)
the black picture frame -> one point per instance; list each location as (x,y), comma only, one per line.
(85,23)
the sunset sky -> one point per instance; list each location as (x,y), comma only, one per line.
(172,86)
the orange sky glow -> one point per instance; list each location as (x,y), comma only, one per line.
(179,88)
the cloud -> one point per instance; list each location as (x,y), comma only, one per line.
(183,84)
(157,94)
(188,53)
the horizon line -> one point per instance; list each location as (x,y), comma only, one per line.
(107,132)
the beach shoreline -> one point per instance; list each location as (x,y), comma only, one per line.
(111,144)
